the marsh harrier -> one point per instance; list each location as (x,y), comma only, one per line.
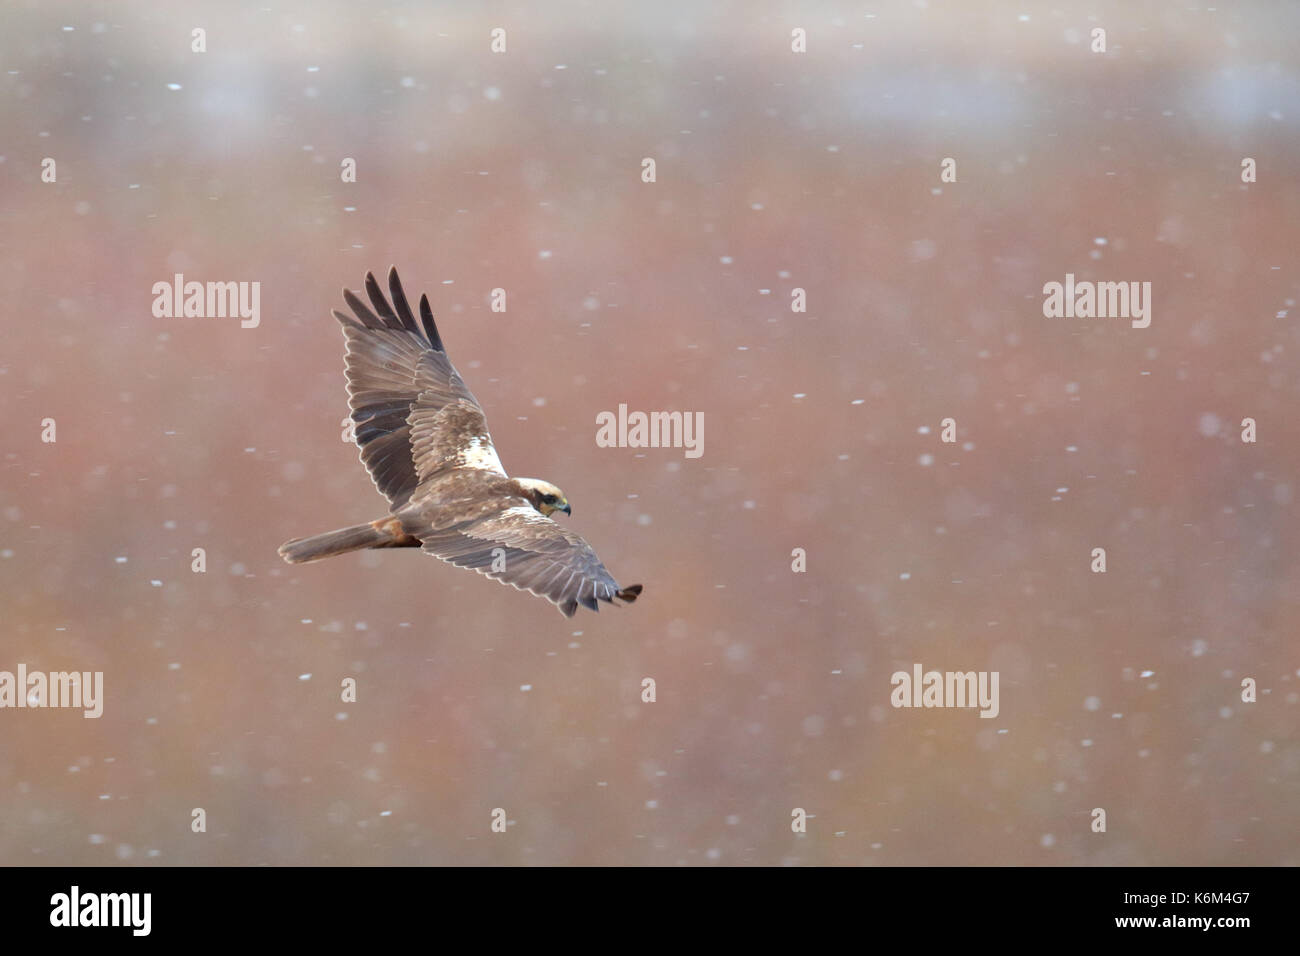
(424,440)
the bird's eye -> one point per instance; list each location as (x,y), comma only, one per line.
(549,499)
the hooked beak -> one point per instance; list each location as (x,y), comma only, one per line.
(566,509)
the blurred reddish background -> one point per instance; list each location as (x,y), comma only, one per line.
(775,171)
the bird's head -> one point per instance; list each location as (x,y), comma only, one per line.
(545,497)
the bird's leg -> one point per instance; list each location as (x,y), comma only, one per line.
(392,527)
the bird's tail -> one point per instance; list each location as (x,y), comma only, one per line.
(373,534)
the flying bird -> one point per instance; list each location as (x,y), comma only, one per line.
(424,440)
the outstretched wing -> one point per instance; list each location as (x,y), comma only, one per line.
(414,416)
(521,547)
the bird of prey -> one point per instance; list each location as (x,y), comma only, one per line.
(425,442)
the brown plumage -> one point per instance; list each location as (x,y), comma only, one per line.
(424,440)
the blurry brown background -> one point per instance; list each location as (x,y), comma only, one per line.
(775,171)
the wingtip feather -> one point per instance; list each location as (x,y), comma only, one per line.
(384,310)
(430,327)
(404,314)
(362,311)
